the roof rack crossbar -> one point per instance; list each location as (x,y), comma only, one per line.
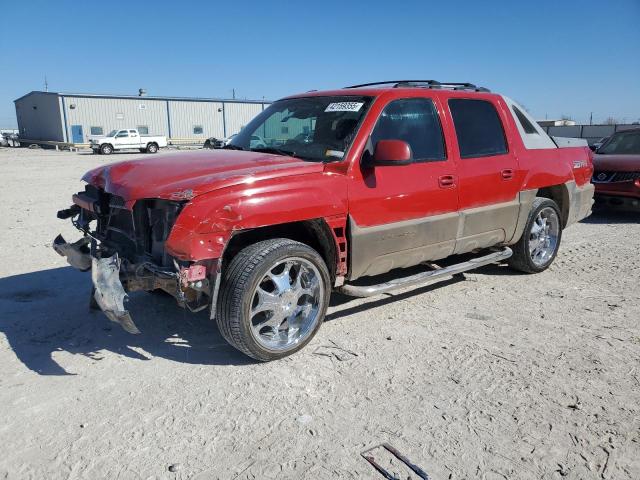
(425,84)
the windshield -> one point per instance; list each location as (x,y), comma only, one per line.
(112,133)
(622,143)
(318,129)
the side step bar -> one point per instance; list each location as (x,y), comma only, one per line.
(424,277)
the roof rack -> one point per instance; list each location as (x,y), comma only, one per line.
(425,84)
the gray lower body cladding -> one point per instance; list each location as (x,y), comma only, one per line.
(378,249)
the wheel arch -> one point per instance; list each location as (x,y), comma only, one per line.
(561,196)
(315,233)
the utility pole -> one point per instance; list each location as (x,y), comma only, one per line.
(233,93)
(591,118)
(46,85)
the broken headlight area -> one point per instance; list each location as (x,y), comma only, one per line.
(124,249)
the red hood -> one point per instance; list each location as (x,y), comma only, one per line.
(182,176)
(617,163)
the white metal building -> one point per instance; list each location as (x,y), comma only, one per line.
(73,117)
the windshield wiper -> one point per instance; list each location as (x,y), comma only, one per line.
(277,151)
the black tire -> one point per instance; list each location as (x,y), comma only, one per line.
(95,151)
(152,148)
(106,149)
(521,259)
(241,279)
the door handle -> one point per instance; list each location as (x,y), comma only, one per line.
(507,174)
(446,181)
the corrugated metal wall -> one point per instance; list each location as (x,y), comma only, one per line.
(114,113)
(237,115)
(174,118)
(185,116)
(591,133)
(40,117)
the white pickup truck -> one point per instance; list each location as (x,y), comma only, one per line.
(128,139)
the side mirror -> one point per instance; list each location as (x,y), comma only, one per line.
(392,152)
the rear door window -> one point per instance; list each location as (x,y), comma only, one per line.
(478,128)
(415,121)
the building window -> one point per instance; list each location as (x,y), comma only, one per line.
(143,129)
(96,130)
(284,130)
(198,130)
(478,128)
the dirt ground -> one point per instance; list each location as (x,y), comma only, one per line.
(494,376)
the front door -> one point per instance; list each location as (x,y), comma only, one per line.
(122,139)
(406,214)
(76,134)
(489,178)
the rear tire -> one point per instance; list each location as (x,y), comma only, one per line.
(106,149)
(273,298)
(152,148)
(540,241)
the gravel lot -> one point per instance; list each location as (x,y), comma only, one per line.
(496,376)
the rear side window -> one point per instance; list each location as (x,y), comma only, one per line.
(478,128)
(527,126)
(415,121)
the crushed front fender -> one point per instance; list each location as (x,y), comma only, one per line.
(109,293)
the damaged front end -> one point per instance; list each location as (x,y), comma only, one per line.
(123,246)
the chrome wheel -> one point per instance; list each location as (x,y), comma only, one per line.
(543,238)
(285,306)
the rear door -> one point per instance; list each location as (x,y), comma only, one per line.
(404,214)
(489,178)
(134,139)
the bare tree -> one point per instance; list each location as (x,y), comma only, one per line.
(611,121)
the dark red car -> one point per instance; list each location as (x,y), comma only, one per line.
(346,184)
(617,170)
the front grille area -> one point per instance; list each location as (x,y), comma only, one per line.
(608,177)
(138,234)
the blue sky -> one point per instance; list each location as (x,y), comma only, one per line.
(555,57)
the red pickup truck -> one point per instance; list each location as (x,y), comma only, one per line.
(349,183)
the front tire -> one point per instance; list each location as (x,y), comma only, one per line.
(273,298)
(540,241)
(106,149)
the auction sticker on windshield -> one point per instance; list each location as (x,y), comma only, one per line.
(344,107)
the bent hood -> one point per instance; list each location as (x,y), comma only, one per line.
(182,176)
(616,163)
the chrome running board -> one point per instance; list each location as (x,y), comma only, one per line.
(424,277)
